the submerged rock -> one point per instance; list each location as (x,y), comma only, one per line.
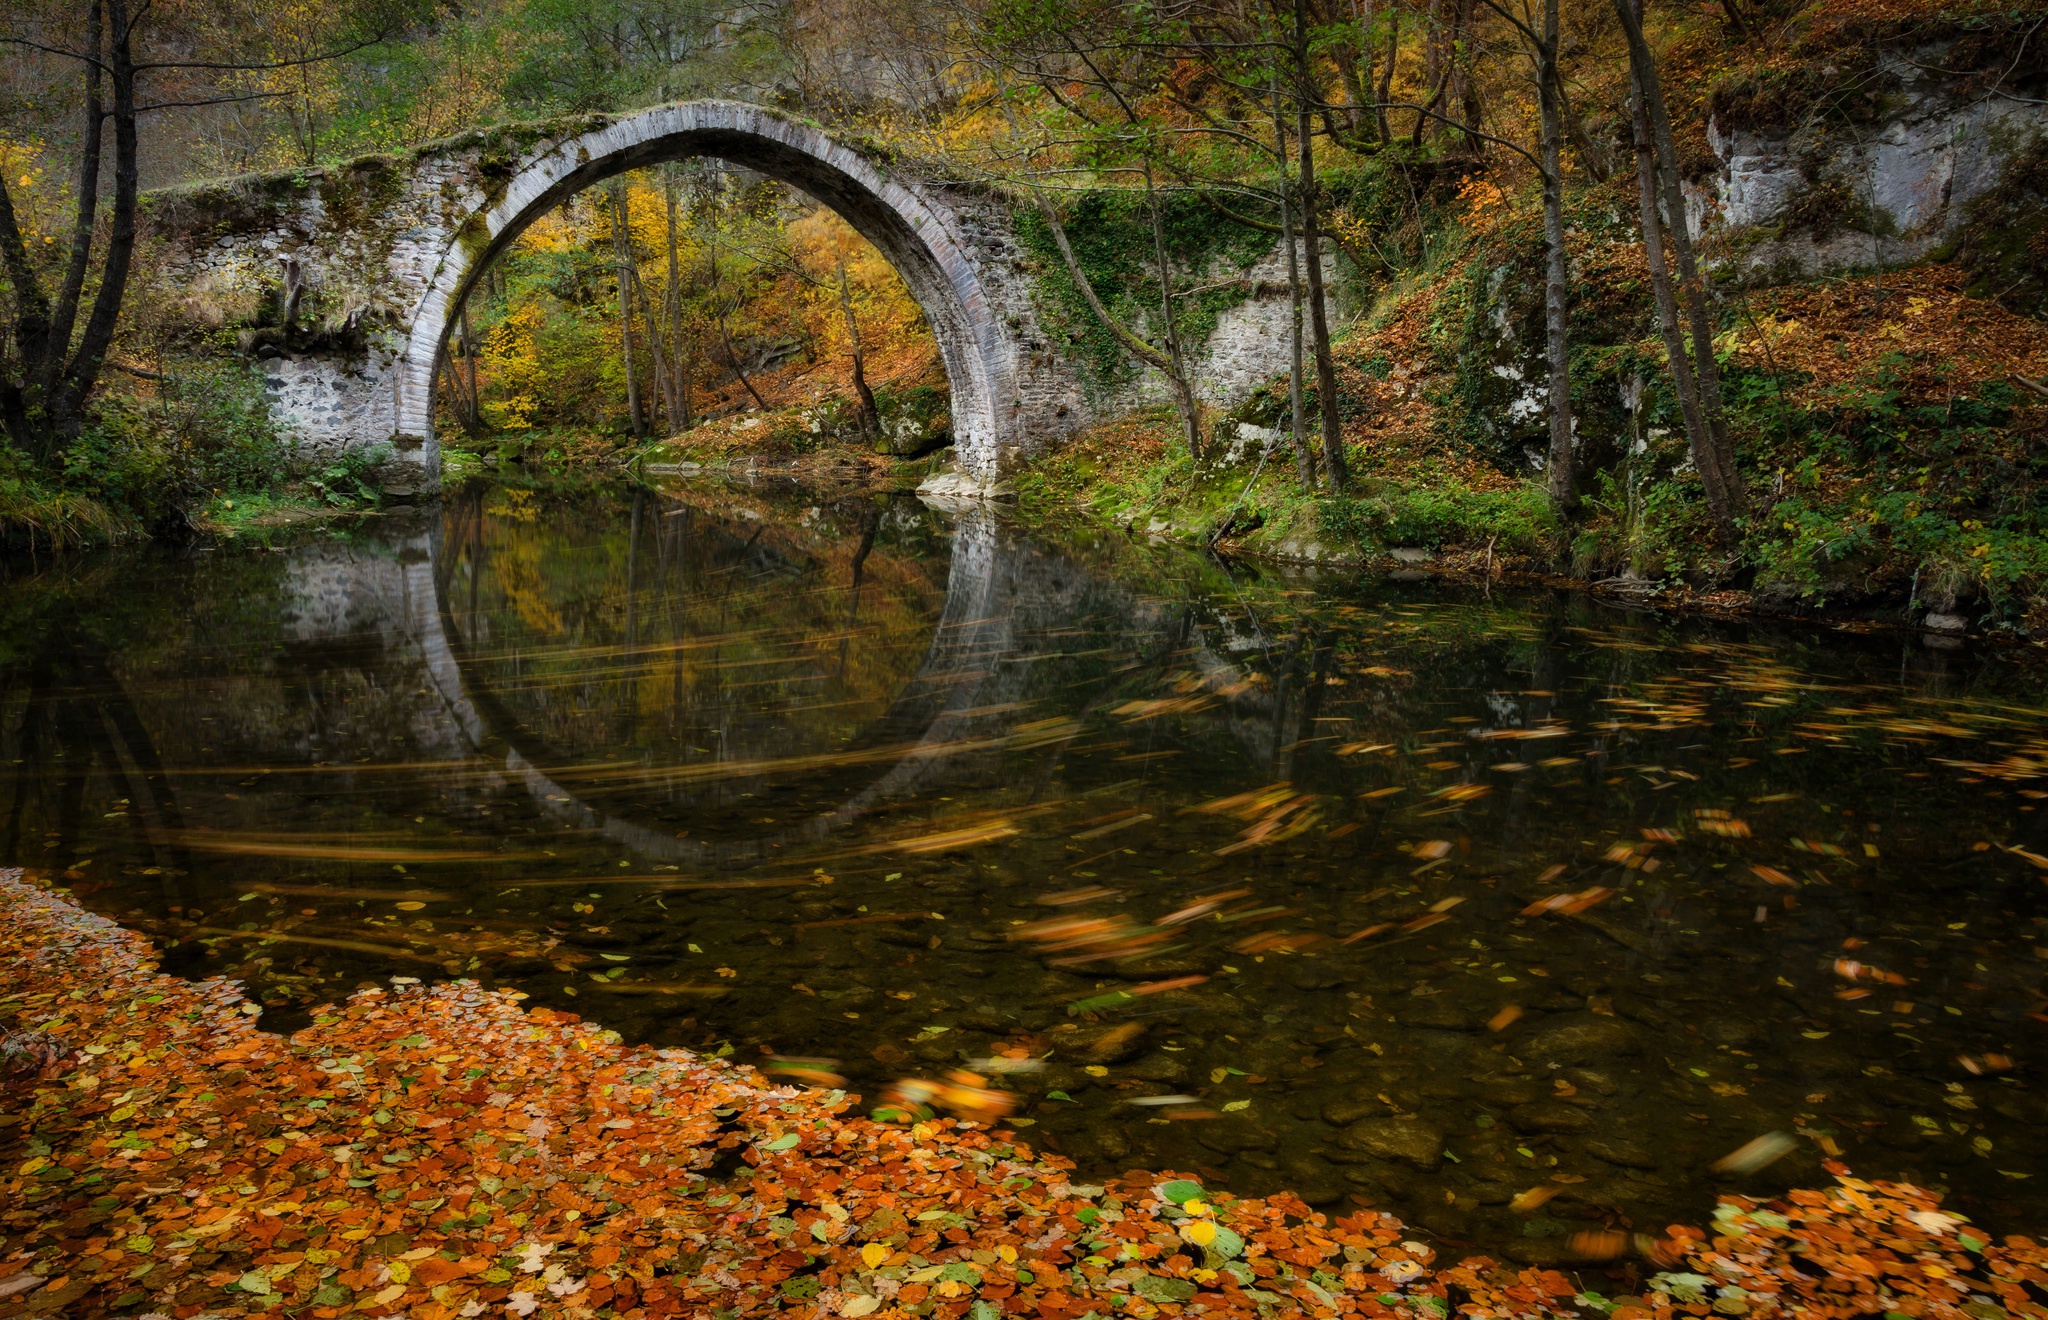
(1550,1116)
(1581,1038)
(1405,1139)
(1620,1150)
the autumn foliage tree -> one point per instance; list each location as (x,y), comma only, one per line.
(110,65)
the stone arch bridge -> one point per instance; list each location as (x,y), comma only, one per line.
(360,270)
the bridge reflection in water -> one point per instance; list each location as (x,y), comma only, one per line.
(912,790)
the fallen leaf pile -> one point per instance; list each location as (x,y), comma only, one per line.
(440,1151)
(1834,334)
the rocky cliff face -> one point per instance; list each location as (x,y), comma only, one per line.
(1883,166)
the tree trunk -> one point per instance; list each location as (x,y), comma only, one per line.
(870,416)
(1691,289)
(1304,457)
(1564,496)
(1355,94)
(64,318)
(474,420)
(1699,439)
(1471,110)
(732,355)
(1334,466)
(625,279)
(672,308)
(657,355)
(1387,76)
(1176,375)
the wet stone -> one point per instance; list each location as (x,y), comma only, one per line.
(1620,1150)
(1159,1067)
(1101,1043)
(1405,1139)
(1315,1181)
(1551,1116)
(1234,1132)
(1582,1038)
(1542,1252)
(1437,1013)
(1346,1110)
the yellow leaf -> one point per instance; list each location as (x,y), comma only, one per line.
(858,1306)
(1007,1254)
(872,1255)
(1201,1233)
(388,1295)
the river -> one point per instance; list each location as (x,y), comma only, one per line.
(1392,891)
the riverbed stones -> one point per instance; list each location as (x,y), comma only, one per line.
(1406,1139)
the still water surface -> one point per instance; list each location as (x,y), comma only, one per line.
(1372,889)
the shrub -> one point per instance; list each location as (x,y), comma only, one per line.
(206,428)
(1516,521)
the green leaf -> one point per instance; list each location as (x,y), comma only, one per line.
(1061,1095)
(1224,1246)
(1180,1191)
(984,1310)
(255,1281)
(1154,1288)
(335,1294)
(783,1142)
(960,1271)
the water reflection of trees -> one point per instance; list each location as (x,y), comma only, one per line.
(667,635)
(71,734)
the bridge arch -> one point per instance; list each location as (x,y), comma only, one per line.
(915,231)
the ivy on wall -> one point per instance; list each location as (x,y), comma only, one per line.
(1111,235)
